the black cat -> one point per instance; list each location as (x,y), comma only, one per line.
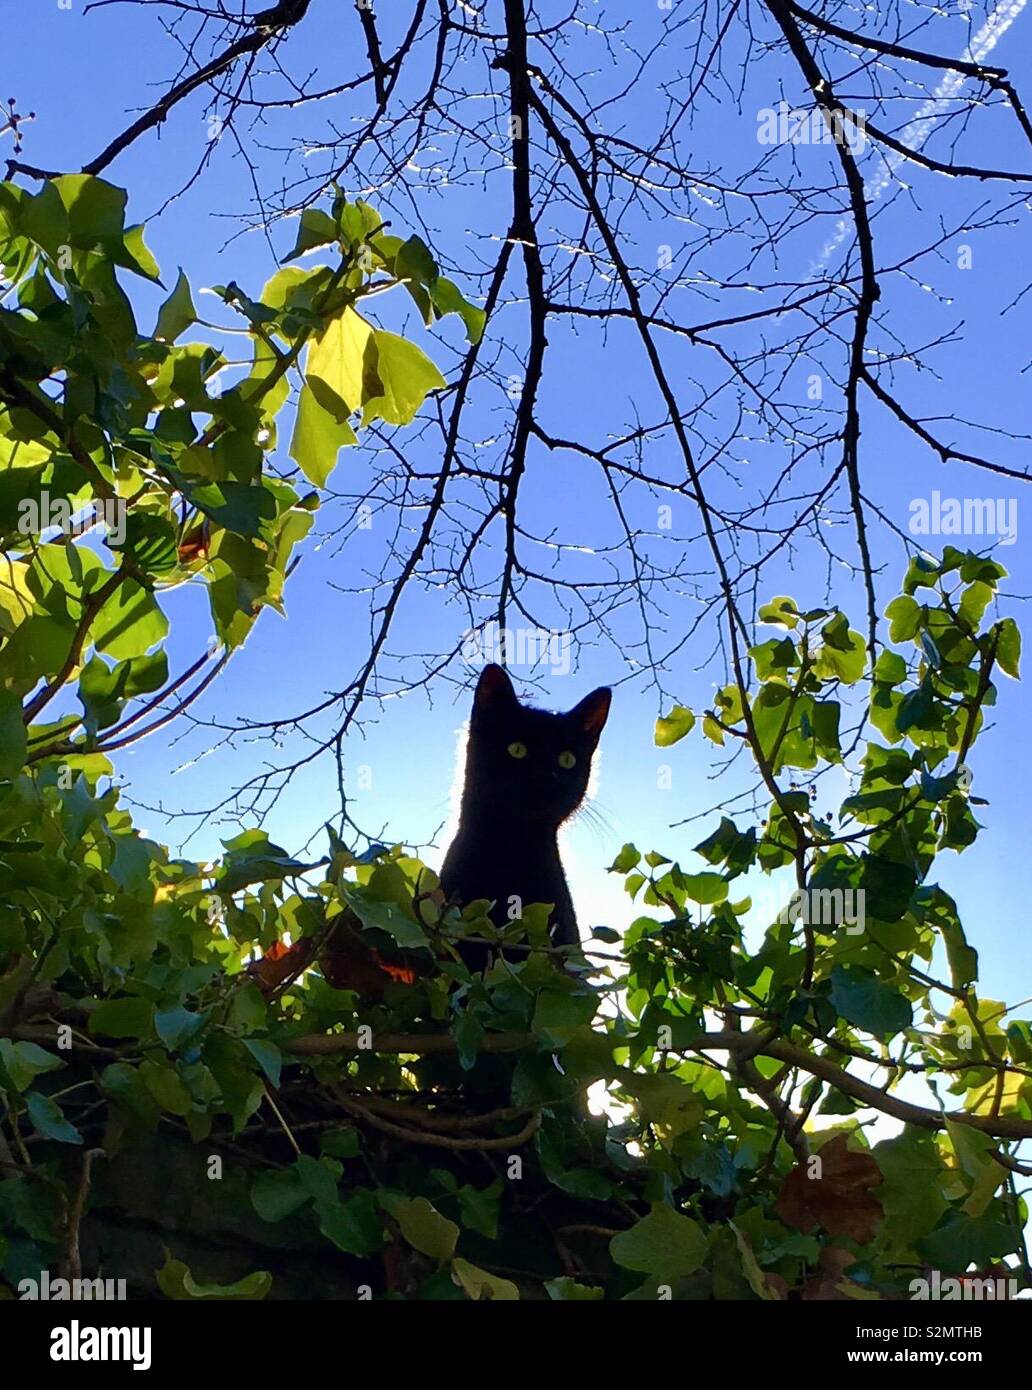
(526,773)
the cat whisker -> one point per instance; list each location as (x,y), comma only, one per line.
(594,815)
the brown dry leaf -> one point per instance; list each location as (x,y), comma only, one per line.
(840,1200)
(279,963)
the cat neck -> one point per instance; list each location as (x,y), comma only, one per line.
(483,822)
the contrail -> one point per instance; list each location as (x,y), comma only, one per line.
(917,130)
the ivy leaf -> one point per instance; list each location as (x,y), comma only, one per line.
(664,1244)
(268,1057)
(626,860)
(904,615)
(712,730)
(178,313)
(354,1226)
(424,1227)
(1008,648)
(277,1195)
(833,1190)
(387,916)
(844,659)
(567,1290)
(863,1000)
(964,1240)
(319,435)
(49,1121)
(177,1026)
(705,888)
(129,1017)
(175,1281)
(780,612)
(407,376)
(447,298)
(104,690)
(13,735)
(887,887)
(480,1285)
(316,228)
(24,1061)
(672,727)
(253,858)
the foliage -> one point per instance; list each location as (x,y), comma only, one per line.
(184,1115)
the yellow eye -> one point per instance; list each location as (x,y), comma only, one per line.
(517,750)
(567,760)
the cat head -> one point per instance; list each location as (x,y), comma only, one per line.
(525,763)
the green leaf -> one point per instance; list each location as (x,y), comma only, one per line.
(24,1061)
(911,1193)
(780,612)
(275,1196)
(129,1017)
(705,888)
(175,1281)
(166,1086)
(316,228)
(94,208)
(447,298)
(318,438)
(268,1057)
(962,958)
(674,726)
(424,1227)
(664,1244)
(48,1120)
(887,887)
(1008,648)
(319,1177)
(712,730)
(904,614)
(387,916)
(890,667)
(353,1226)
(407,376)
(253,858)
(415,265)
(342,364)
(104,690)
(130,623)
(863,1000)
(626,860)
(481,1286)
(844,659)
(774,658)
(177,1026)
(152,543)
(975,599)
(962,1241)
(13,737)
(135,255)
(567,1290)
(178,313)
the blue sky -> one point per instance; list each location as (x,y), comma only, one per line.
(82,74)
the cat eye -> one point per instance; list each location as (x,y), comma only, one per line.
(567,760)
(517,750)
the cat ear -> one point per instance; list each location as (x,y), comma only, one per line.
(494,691)
(592,712)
